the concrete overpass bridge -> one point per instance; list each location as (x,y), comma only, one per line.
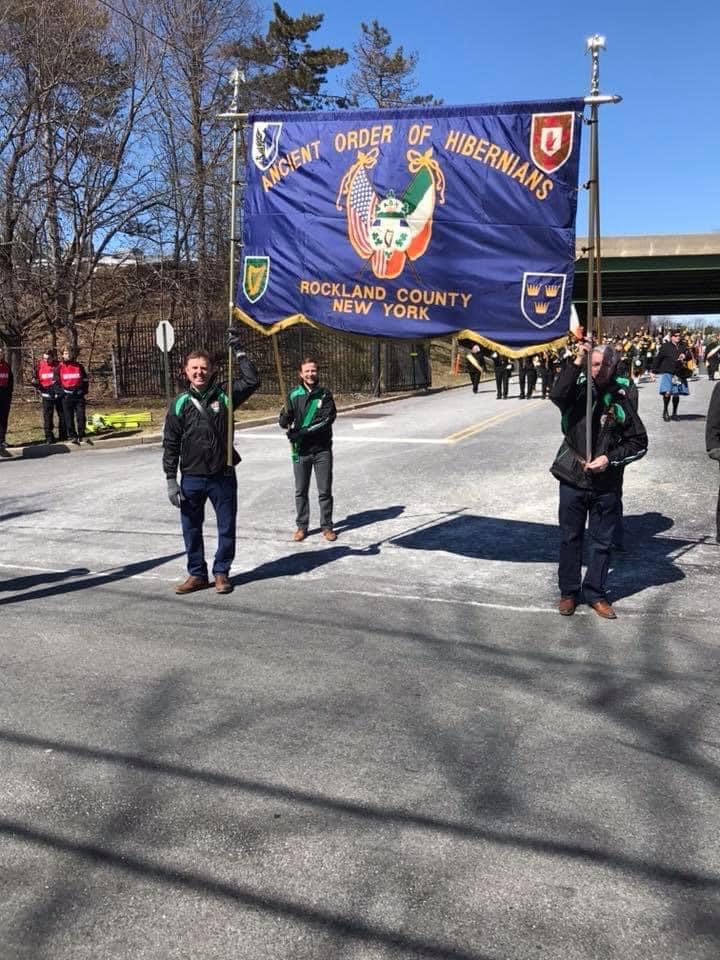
(646,275)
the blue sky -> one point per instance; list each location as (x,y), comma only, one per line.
(659,148)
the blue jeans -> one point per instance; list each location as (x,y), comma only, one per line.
(221,490)
(600,510)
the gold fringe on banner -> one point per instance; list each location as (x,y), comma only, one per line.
(506,351)
(300,318)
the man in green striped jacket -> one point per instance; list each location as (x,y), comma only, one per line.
(308,417)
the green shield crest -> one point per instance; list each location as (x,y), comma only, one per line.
(256,273)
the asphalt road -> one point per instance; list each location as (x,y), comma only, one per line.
(387,747)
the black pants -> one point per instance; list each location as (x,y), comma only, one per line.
(74,412)
(51,405)
(548,379)
(527,378)
(5,401)
(322,464)
(474,380)
(600,511)
(502,382)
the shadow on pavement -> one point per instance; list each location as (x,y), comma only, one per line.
(302,562)
(108,842)
(37,579)
(98,580)
(365,517)
(648,563)
(17,513)
(37,449)
(488,538)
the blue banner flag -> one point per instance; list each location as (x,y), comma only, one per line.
(414,223)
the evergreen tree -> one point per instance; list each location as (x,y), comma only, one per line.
(283,71)
(383,77)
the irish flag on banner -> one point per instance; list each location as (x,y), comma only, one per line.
(419,198)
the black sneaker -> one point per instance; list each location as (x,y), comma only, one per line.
(76,441)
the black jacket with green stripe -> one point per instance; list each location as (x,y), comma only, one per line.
(308,415)
(195,431)
(617,430)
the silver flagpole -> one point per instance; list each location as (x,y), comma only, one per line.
(237,119)
(593,319)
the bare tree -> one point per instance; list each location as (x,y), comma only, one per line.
(190,145)
(75,175)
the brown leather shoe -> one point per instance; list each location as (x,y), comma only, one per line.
(566,606)
(222,584)
(603,609)
(329,534)
(192,584)
(299,535)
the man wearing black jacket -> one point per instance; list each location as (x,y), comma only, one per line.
(503,369)
(590,481)
(712,442)
(308,417)
(195,439)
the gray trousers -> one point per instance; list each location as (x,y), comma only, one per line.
(322,463)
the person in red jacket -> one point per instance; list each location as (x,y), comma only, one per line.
(72,379)
(6,391)
(44,382)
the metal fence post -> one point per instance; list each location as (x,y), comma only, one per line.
(376,367)
(116,392)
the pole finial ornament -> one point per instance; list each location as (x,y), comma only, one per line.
(593,46)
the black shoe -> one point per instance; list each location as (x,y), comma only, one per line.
(76,441)
(674,417)
(522,396)
(89,442)
(666,416)
(50,439)
(499,397)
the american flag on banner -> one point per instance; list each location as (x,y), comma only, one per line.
(361,205)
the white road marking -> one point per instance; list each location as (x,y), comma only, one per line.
(549,609)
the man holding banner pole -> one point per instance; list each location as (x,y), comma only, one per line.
(591,478)
(195,441)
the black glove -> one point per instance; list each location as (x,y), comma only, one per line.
(293,435)
(174,492)
(233,341)
(714,454)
